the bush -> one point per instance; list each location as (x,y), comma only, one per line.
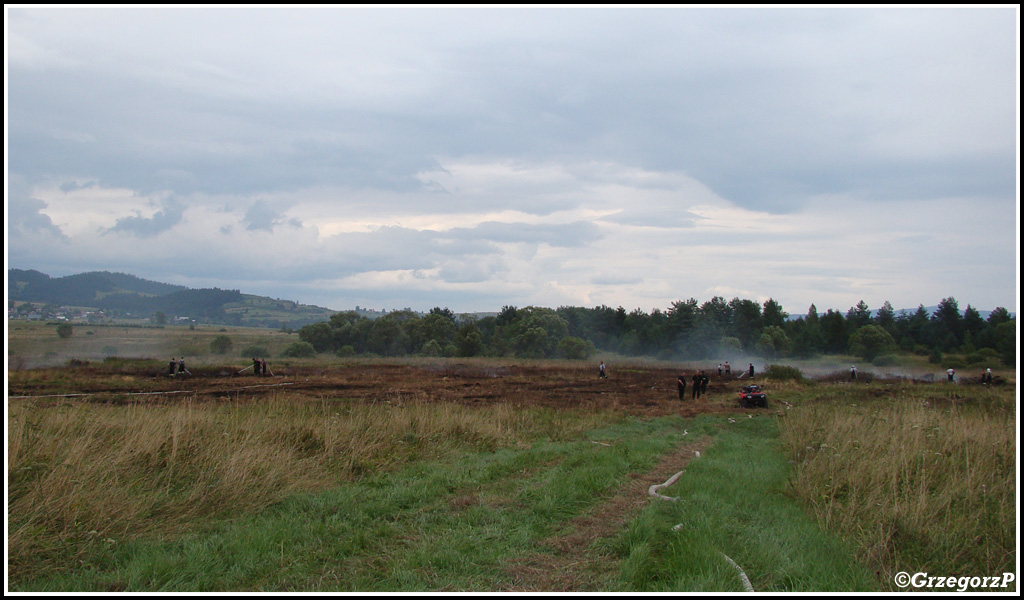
(255,351)
(985,356)
(783,373)
(886,360)
(64,330)
(220,344)
(299,350)
(431,348)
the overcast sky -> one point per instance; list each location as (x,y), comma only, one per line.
(479,157)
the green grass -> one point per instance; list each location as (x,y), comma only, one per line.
(734,501)
(457,523)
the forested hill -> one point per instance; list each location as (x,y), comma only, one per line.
(84,289)
(119,294)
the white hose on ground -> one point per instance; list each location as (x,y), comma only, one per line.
(746,582)
(653,491)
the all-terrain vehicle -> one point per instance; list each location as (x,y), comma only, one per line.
(751,396)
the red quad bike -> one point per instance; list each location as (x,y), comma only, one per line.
(751,396)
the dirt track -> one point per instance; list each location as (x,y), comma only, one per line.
(634,390)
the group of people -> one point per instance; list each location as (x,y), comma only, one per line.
(259,367)
(700,382)
(178,365)
(986,377)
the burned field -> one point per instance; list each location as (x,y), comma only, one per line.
(636,390)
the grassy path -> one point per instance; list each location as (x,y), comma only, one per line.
(554,516)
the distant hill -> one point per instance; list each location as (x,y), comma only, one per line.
(85,289)
(119,295)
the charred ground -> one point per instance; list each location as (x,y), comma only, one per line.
(640,391)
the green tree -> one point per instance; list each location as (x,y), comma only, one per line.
(947,325)
(469,341)
(575,348)
(773,342)
(220,344)
(886,317)
(746,316)
(65,330)
(871,341)
(321,336)
(772,315)
(858,316)
(1006,341)
(436,327)
(388,336)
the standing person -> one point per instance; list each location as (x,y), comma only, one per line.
(987,377)
(853,372)
(704,380)
(256,367)
(681,384)
(601,371)
(696,385)
(171,366)
(181,366)
(263,366)
(949,374)
(728,369)
(719,369)
(750,370)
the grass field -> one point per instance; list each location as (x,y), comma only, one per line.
(491,476)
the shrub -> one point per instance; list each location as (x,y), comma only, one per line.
(431,348)
(783,373)
(886,360)
(64,330)
(299,350)
(220,344)
(255,350)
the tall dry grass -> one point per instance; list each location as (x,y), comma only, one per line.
(923,485)
(82,474)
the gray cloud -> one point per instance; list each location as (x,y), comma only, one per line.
(144,227)
(482,116)
(24,217)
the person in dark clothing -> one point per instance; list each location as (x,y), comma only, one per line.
(263,366)
(171,366)
(704,380)
(256,370)
(681,384)
(601,371)
(181,366)
(696,385)
(751,370)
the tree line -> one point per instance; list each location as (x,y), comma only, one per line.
(687,330)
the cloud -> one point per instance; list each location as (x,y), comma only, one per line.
(26,214)
(145,227)
(634,157)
